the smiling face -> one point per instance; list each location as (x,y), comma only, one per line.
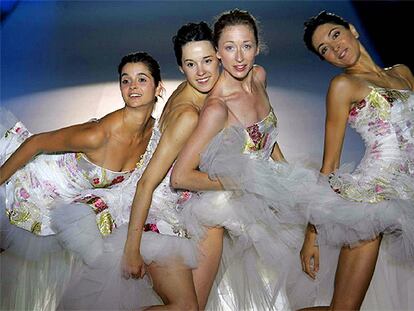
(237,49)
(336,44)
(137,85)
(200,65)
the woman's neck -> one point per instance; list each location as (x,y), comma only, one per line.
(245,83)
(195,96)
(135,121)
(365,64)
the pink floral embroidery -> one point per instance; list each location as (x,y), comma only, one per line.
(98,205)
(96,181)
(254,133)
(24,194)
(117,180)
(382,127)
(184,197)
(151,227)
(361,104)
(378,189)
(353,113)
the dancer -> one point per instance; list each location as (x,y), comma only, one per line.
(231,145)
(376,201)
(173,281)
(72,166)
(155,240)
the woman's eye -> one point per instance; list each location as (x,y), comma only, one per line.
(190,65)
(125,81)
(324,50)
(208,61)
(335,34)
(142,80)
(247,46)
(228,48)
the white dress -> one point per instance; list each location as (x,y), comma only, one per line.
(375,198)
(59,214)
(263,218)
(101,286)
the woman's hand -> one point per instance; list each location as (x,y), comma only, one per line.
(132,265)
(309,254)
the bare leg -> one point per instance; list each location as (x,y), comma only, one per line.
(353,275)
(204,275)
(174,284)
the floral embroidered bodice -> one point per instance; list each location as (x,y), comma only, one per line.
(52,179)
(261,136)
(385,121)
(164,214)
(98,176)
(254,142)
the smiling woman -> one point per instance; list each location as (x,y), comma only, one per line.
(49,179)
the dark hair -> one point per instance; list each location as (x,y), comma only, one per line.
(189,33)
(145,58)
(315,21)
(233,18)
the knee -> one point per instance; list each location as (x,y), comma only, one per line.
(187,305)
(184,304)
(349,304)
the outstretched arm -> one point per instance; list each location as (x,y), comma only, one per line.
(82,137)
(186,174)
(172,141)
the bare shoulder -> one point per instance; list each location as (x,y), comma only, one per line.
(346,89)
(403,71)
(342,82)
(259,73)
(215,107)
(95,133)
(180,118)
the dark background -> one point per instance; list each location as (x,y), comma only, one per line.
(390,27)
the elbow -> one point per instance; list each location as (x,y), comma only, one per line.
(32,145)
(177,179)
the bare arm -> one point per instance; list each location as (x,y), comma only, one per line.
(172,141)
(83,137)
(338,103)
(185,174)
(337,109)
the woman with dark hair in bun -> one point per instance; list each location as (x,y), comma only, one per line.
(154,205)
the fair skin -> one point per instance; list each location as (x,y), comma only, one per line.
(241,89)
(127,130)
(239,96)
(175,283)
(341,48)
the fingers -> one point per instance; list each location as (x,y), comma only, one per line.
(132,272)
(125,274)
(310,265)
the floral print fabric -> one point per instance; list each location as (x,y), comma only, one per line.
(384,119)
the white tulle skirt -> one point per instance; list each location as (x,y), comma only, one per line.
(35,270)
(265,210)
(101,285)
